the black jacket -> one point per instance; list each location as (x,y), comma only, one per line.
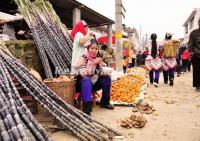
(194,43)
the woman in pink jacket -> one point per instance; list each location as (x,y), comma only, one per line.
(92,78)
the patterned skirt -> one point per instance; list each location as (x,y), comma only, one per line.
(169,63)
(153,64)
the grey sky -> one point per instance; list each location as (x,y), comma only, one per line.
(154,16)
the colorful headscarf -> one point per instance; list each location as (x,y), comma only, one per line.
(79,27)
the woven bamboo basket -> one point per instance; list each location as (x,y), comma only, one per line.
(64,89)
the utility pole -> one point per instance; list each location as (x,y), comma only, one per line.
(118,33)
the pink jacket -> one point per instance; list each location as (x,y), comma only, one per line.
(86,67)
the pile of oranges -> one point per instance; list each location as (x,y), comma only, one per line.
(127,88)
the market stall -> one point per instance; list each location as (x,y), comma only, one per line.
(128,88)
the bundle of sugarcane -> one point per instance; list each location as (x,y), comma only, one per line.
(16,121)
(75,121)
(50,36)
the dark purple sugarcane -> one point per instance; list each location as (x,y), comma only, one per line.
(69,118)
(42,54)
(4,133)
(27,116)
(35,17)
(53,49)
(77,113)
(49,11)
(17,71)
(55,37)
(59,45)
(39,45)
(48,47)
(72,108)
(41,19)
(16,117)
(51,106)
(45,63)
(55,114)
(8,119)
(13,118)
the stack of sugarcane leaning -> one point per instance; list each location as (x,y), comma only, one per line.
(16,121)
(50,35)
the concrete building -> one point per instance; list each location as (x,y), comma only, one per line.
(190,24)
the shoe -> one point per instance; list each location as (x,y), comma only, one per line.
(156,84)
(87,108)
(109,106)
(171,82)
(165,82)
(178,75)
(105,103)
(198,89)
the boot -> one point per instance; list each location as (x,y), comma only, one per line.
(151,81)
(87,108)
(198,89)
(105,103)
(156,83)
(171,82)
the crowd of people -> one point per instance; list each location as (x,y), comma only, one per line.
(168,57)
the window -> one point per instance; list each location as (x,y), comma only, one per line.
(191,23)
(186,29)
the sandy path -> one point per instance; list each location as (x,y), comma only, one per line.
(177,116)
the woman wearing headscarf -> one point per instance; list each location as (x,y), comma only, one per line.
(169,61)
(92,78)
(153,62)
(80,37)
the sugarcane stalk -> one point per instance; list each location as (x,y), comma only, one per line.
(54,115)
(16,94)
(4,133)
(45,96)
(69,118)
(8,119)
(35,15)
(55,96)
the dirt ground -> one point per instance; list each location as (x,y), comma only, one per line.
(177,115)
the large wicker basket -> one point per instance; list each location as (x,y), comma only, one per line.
(64,89)
(170,48)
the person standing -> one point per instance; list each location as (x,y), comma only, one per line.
(80,37)
(133,57)
(153,62)
(194,49)
(139,58)
(178,60)
(185,57)
(144,56)
(169,61)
